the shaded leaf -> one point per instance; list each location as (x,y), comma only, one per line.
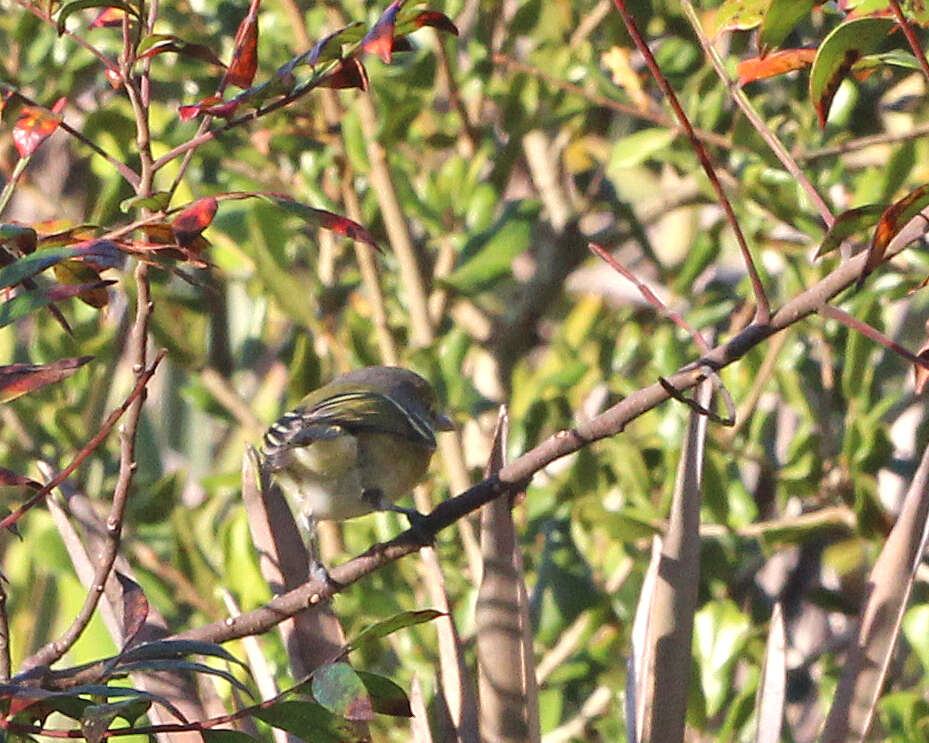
(387,698)
(135,607)
(392,624)
(847,224)
(244,64)
(23,304)
(166,649)
(176,665)
(21,239)
(212,735)
(894,219)
(776,63)
(920,372)
(838,53)
(96,718)
(379,40)
(437,20)
(310,721)
(339,689)
(20,379)
(72,272)
(8,478)
(349,73)
(34,126)
(156,44)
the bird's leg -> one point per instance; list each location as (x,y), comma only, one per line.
(375,496)
(317,570)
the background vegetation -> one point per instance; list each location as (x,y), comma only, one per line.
(482,163)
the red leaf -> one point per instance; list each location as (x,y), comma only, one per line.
(894,218)
(349,73)
(379,40)
(34,126)
(108,17)
(19,379)
(212,106)
(244,62)
(345,226)
(114,78)
(188,225)
(776,63)
(11,479)
(437,20)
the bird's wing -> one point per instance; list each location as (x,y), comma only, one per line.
(364,410)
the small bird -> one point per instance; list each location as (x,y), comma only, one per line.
(354,446)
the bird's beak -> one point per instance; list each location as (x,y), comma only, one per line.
(443,423)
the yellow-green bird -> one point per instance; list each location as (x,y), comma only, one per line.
(355,445)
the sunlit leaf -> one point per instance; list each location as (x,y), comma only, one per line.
(193,220)
(34,126)
(108,18)
(23,304)
(379,40)
(157,202)
(894,218)
(349,73)
(397,622)
(326,220)
(736,15)
(776,63)
(780,19)
(838,53)
(244,64)
(72,273)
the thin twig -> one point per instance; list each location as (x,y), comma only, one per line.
(914,43)
(738,95)
(763,311)
(860,326)
(861,143)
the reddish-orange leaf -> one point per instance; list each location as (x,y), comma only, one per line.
(212,106)
(114,78)
(776,63)
(108,17)
(437,20)
(11,479)
(345,226)
(894,218)
(34,126)
(380,39)
(188,225)
(244,64)
(349,73)
(19,379)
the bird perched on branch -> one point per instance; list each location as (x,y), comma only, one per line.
(354,446)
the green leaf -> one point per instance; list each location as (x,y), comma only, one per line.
(839,52)
(386,696)
(636,148)
(780,19)
(32,264)
(847,224)
(310,721)
(720,632)
(489,256)
(166,649)
(391,625)
(71,8)
(338,688)
(740,14)
(157,202)
(23,304)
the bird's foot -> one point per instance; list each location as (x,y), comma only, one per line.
(319,572)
